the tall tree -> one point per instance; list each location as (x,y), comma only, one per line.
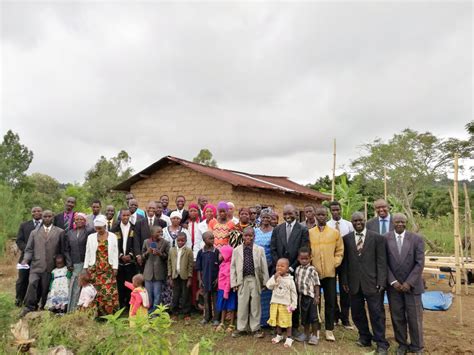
(413,160)
(107,173)
(44,191)
(205,157)
(15,160)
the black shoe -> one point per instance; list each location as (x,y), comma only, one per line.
(363,344)
(401,351)
(381,351)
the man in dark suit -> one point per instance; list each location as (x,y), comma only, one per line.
(142,229)
(43,245)
(364,277)
(21,240)
(180,202)
(125,232)
(287,239)
(65,220)
(110,217)
(383,222)
(406,260)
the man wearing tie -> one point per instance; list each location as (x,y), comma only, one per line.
(109,216)
(344,227)
(65,220)
(364,277)
(381,224)
(43,245)
(21,240)
(406,260)
(327,249)
(287,239)
(142,229)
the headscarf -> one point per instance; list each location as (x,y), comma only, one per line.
(223,282)
(175,214)
(230,204)
(193,205)
(100,221)
(82,215)
(222,206)
(212,207)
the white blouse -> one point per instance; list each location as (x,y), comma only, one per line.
(91,250)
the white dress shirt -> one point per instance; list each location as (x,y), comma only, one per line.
(345,227)
(178,259)
(125,228)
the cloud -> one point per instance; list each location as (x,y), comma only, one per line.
(265,86)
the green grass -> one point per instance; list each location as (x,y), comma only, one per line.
(439,231)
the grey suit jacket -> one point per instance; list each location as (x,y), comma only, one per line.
(368,270)
(156,267)
(408,265)
(374,225)
(259,263)
(41,249)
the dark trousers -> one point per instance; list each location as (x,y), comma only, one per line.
(406,310)
(125,273)
(210,309)
(328,285)
(342,308)
(21,286)
(38,288)
(181,301)
(376,314)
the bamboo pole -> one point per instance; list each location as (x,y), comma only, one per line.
(456,226)
(385,182)
(468,221)
(333,187)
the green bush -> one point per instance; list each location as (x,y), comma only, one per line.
(12,213)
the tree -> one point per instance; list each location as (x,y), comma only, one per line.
(413,160)
(105,174)
(12,213)
(205,157)
(15,160)
(44,191)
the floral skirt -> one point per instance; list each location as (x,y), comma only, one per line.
(106,285)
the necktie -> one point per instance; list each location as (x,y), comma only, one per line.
(383,229)
(46,230)
(66,222)
(151,222)
(337,226)
(399,244)
(109,225)
(37,223)
(360,243)
(288,231)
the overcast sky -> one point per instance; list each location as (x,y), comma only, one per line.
(265,86)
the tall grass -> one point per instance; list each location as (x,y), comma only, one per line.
(12,211)
(439,231)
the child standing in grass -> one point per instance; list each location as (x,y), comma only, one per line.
(207,267)
(88,292)
(139,300)
(307,284)
(58,296)
(226,297)
(284,301)
(180,274)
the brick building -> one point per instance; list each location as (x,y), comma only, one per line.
(174,176)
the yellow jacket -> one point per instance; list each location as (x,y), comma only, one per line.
(327,249)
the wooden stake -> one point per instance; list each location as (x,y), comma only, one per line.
(456,226)
(365,209)
(385,182)
(333,188)
(468,221)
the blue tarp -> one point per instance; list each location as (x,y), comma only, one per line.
(434,300)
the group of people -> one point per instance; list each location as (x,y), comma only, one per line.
(242,272)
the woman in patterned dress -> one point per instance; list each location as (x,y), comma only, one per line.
(101,261)
(263,237)
(237,233)
(222,227)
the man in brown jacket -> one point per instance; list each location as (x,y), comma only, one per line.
(43,245)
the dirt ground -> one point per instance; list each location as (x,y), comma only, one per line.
(443,332)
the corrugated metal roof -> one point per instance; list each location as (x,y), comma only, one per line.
(236,178)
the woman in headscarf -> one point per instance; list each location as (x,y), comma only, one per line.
(75,243)
(263,237)
(170,233)
(197,243)
(237,233)
(210,214)
(222,227)
(101,261)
